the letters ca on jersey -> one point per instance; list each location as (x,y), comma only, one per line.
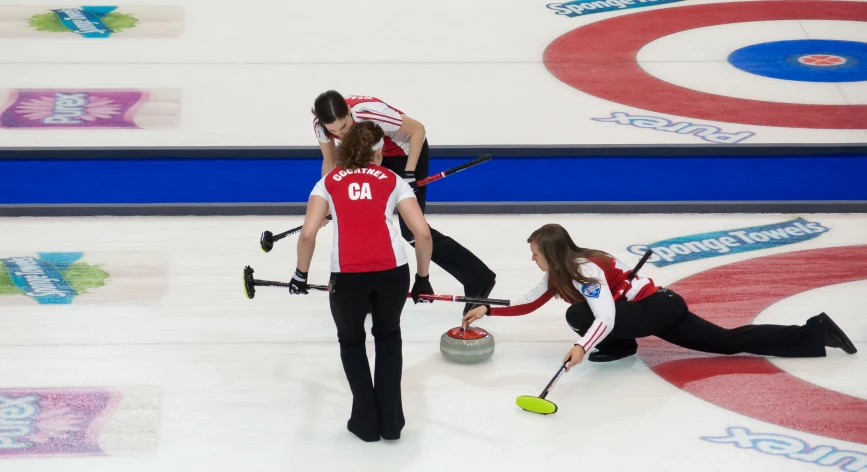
(362,203)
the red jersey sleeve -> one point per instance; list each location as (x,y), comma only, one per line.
(529,303)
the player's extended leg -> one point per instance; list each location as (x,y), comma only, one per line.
(807,340)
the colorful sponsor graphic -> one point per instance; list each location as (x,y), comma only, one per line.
(51,278)
(89,22)
(705,245)
(578,8)
(793,448)
(84,108)
(134,21)
(709,133)
(77,421)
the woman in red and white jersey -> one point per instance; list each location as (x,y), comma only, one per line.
(405,151)
(369,270)
(587,279)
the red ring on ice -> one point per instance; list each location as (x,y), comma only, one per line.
(600,59)
(733,295)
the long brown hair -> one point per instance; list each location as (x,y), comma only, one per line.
(354,152)
(561,253)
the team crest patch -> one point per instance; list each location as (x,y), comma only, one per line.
(591,291)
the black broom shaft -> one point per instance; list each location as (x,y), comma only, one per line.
(324,288)
(282,235)
(269,283)
(467,165)
(447,172)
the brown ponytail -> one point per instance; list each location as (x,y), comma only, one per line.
(561,253)
(354,151)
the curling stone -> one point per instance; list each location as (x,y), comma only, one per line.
(467,347)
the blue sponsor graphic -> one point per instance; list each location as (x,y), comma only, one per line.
(42,278)
(705,245)
(86,21)
(804,60)
(709,133)
(578,8)
(591,291)
(793,448)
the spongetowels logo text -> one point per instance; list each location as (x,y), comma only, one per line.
(83,22)
(705,245)
(709,133)
(573,9)
(793,448)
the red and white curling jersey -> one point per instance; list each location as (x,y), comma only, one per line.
(600,301)
(363,108)
(362,205)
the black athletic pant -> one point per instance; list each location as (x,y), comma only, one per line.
(665,315)
(455,259)
(376,403)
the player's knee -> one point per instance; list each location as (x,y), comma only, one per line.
(389,329)
(580,317)
(350,337)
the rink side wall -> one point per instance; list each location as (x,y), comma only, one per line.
(270,181)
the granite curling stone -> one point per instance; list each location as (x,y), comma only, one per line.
(467,347)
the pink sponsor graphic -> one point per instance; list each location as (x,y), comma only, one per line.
(89,108)
(74,422)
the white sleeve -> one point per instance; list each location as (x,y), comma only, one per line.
(530,302)
(386,117)
(601,303)
(319,189)
(321,134)
(403,190)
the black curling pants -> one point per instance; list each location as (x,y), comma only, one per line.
(455,259)
(665,315)
(377,407)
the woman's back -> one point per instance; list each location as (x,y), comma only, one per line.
(362,204)
(616,273)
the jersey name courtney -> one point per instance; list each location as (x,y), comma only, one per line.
(343,173)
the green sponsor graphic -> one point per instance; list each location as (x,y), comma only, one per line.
(50,22)
(51,278)
(6,285)
(83,277)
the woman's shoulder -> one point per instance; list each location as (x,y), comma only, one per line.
(591,263)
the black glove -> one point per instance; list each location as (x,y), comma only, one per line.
(409,178)
(421,286)
(298,285)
